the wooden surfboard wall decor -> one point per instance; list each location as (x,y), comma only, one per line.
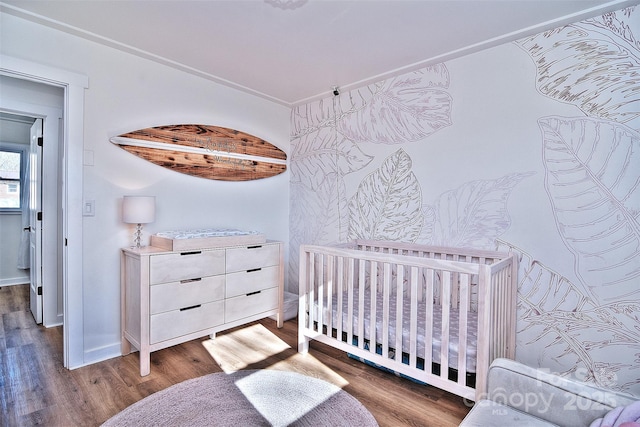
(210,152)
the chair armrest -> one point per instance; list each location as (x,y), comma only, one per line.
(549,397)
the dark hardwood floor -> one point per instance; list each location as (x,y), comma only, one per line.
(35,389)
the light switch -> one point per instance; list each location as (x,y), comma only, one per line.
(89,208)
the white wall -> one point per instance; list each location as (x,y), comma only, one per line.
(10,231)
(128,93)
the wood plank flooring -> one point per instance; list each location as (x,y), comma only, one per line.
(35,389)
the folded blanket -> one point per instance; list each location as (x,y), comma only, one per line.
(622,416)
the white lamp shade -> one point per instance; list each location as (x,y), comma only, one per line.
(139,209)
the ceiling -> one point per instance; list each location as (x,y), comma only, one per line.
(295,51)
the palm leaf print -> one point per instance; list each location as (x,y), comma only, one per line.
(589,65)
(471,216)
(317,216)
(387,205)
(318,155)
(593,182)
(308,118)
(404,109)
(561,329)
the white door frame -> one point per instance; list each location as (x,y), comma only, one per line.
(74,86)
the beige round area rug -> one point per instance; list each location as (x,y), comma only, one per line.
(248,398)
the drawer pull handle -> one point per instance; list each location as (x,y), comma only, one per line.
(191,253)
(254,269)
(253,293)
(254,247)
(190,308)
(190,280)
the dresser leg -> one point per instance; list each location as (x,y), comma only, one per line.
(279,319)
(212,335)
(145,363)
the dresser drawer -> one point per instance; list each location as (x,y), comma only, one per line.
(186,293)
(172,324)
(247,305)
(250,257)
(244,282)
(185,265)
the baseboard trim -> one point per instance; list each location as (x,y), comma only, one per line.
(13,281)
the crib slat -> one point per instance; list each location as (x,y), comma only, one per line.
(462,328)
(312,290)
(340,274)
(454,280)
(444,340)
(505,319)
(428,338)
(320,291)
(421,285)
(499,319)
(512,284)
(350,280)
(361,286)
(399,320)
(385,310)
(373,290)
(413,324)
(330,293)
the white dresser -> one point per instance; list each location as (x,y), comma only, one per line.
(169,297)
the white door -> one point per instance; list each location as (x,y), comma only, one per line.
(35,220)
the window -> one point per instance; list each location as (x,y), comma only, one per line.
(12,165)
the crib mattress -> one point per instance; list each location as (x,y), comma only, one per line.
(435,324)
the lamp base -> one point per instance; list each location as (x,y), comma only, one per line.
(137,236)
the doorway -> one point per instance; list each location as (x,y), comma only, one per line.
(42,104)
(68,192)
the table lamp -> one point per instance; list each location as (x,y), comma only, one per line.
(138,210)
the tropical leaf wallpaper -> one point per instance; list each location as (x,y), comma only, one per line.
(387,205)
(531,147)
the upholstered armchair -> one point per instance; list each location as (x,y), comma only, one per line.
(519,395)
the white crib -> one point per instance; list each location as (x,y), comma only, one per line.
(453,314)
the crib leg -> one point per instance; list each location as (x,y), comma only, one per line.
(303,344)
